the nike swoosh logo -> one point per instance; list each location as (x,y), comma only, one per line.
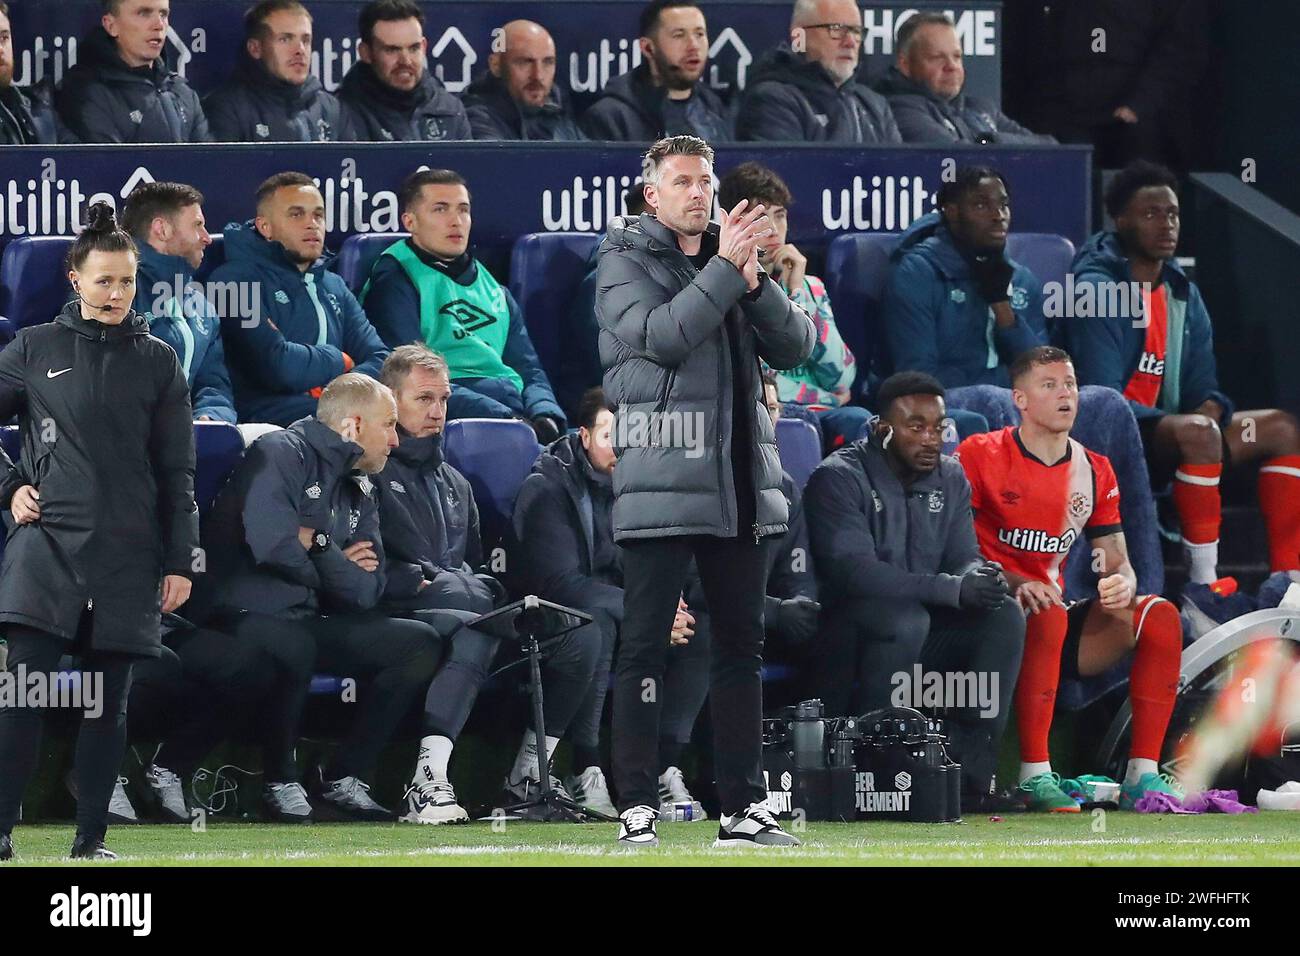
(53,374)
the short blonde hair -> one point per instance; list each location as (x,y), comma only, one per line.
(672,146)
(349,394)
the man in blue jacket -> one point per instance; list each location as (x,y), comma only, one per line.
(1138,325)
(924,89)
(290,325)
(955,306)
(904,583)
(808,91)
(295,563)
(429,288)
(166,221)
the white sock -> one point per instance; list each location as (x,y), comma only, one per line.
(1028,770)
(1202,562)
(526,764)
(435,753)
(1137,767)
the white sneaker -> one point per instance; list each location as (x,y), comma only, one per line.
(755,827)
(675,801)
(636,827)
(590,790)
(433,803)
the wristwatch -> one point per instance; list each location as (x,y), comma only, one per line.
(320,542)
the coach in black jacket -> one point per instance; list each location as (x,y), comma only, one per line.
(272,96)
(296,561)
(430,524)
(904,582)
(121,91)
(25,116)
(100,509)
(257,107)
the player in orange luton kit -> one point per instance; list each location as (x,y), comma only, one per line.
(1034,490)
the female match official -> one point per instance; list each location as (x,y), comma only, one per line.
(103,528)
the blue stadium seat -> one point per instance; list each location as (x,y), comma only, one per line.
(213,256)
(218,447)
(357,256)
(33,281)
(856,268)
(800,447)
(1046,255)
(496,456)
(546,269)
(11,439)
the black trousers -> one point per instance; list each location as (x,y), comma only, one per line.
(203,686)
(101,739)
(567,666)
(733,572)
(686,685)
(393,659)
(878,643)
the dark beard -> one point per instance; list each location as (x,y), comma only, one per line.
(671,76)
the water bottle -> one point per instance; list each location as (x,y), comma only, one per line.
(809,736)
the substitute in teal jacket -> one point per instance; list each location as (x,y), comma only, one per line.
(460,311)
(1106,349)
(180,314)
(288,333)
(934,319)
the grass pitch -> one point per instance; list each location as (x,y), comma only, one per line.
(1117,839)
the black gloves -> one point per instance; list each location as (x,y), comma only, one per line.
(796,619)
(547,429)
(992,274)
(983,589)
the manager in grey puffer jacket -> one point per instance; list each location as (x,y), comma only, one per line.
(685,314)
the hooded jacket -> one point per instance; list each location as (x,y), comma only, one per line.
(874,539)
(302,476)
(632,109)
(305,322)
(374,112)
(255,107)
(494,114)
(108,442)
(935,320)
(792,99)
(924,117)
(1106,349)
(555,526)
(667,336)
(429,521)
(189,325)
(395,304)
(102,100)
(25,119)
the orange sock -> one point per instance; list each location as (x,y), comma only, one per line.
(1196,498)
(1153,679)
(1279,499)
(1040,672)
